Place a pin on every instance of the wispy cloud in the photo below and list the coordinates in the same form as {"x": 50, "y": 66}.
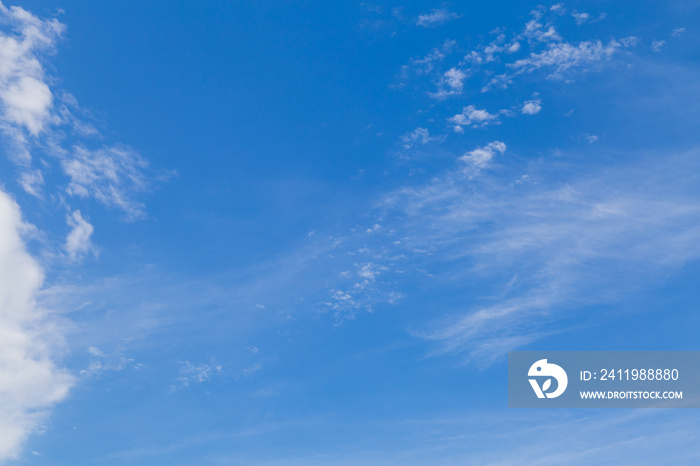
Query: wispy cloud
{"x": 474, "y": 117}
{"x": 591, "y": 138}
{"x": 539, "y": 244}
{"x": 563, "y": 57}
{"x": 32, "y": 181}
{"x": 426, "y": 64}
{"x": 33, "y": 120}
{"x": 644, "y": 437}
{"x": 44, "y": 131}
{"x": 551, "y": 243}
{"x": 417, "y": 136}
{"x": 501, "y": 60}
{"x": 677, "y": 32}
{"x": 558, "y": 8}
{"x": 535, "y": 32}
{"x": 358, "y": 291}
{"x": 580, "y": 17}
{"x": 197, "y": 373}
{"x": 112, "y": 175}
{"x": 436, "y": 17}
{"x": 79, "y": 240}
{"x": 102, "y": 363}
{"x": 658, "y": 45}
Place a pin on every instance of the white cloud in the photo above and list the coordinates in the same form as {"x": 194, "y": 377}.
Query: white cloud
{"x": 102, "y": 363}
{"x": 190, "y": 373}
{"x": 678, "y": 32}
{"x": 436, "y": 17}
{"x": 26, "y": 98}
{"x": 451, "y": 83}
{"x": 514, "y": 47}
{"x": 27, "y": 102}
{"x": 474, "y": 117}
{"x": 591, "y": 138}
{"x": 494, "y": 48}
{"x": 30, "y": 382}
{"x": 547, "y": 51}
{"x": 532, "y": 107}
{"x": 481, "y": 157}
{"x": 363, "y": 288}
{"x": 95, "y": 351}
{"x": 558, "y": 9}
{"x": 562, "y": 57}
{"x": 343, "y": 305}
{"x": 490, "y": 53}
{"x": 580, "y": 17}
{"x": 425, "y": 65}
{"x": 550, "y": 52}
{"x": 630, "y": 41}
{"x": 417, "y": 136}
{"x": 368, "y": 273}
{"x": 32, "y": 181}
{"x": 112, "y": 175}
{"x": 248, "y": 371}
{"x": 537, "y": 32}
{"x": 455, "y": 79}
{"x": 657, "y": 45}
{"x": 79, "y": 240}
{"x": 474, "y": 57}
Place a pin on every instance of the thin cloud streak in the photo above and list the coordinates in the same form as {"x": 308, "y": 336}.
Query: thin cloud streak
{"x": 587, "y": 240}
{"x": 436, "y": 17}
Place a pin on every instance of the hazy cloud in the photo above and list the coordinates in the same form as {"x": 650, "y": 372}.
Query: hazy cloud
{"x": 436, "y": 17}
{"x": 79, "y": 240}
{"x": 678, "y": 32}
{"x": 417, "y": 136}
{"x": 657, "y": 45}
{"x": 580, "y": 17}
{"x": 425, "y": 65}
{"x": 580, "y": 240}
{"x": 191, "y": 373}
{"x": 112, "y": 175}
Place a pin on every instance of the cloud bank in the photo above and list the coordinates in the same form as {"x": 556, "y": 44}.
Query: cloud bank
{"x": 30, "y": 379}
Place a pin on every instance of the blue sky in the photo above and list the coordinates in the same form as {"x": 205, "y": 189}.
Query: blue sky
{"x": 308, "y": 233}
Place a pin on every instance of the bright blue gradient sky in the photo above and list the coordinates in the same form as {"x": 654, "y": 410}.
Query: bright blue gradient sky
{"x": 308, "y": 233}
